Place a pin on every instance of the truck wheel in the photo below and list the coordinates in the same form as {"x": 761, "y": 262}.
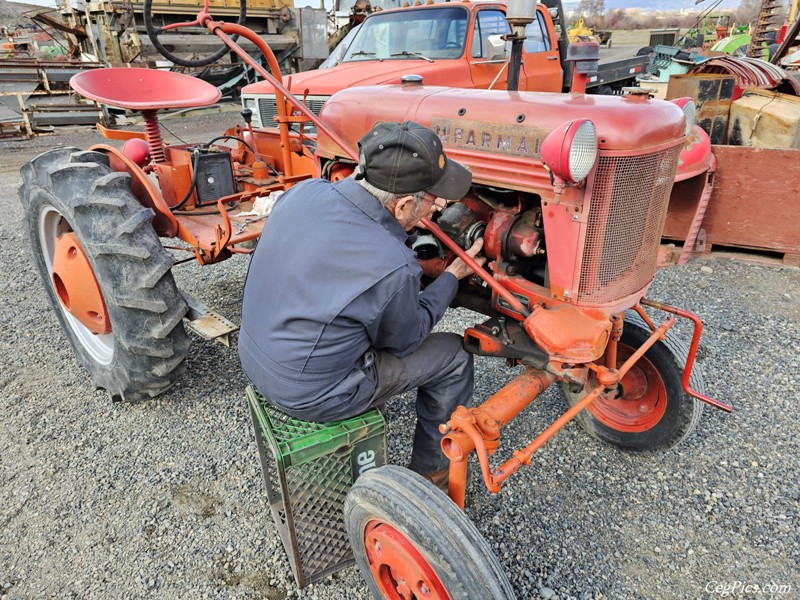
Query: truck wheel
{"x": 653, "y": 412}
{"x": 411, "y": 541}
{"x": 106, "y": 273}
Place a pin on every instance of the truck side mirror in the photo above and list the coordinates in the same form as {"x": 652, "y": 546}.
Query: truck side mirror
{"x": 496, "y": 47}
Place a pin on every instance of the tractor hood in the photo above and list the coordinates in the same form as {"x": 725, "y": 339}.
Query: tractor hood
{"x": 498, "y": 133}
{"x": 325, "y": 82}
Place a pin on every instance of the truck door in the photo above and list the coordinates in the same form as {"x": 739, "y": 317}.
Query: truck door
{"x": 541, "y": 64}
{"x": 484, "y": 72}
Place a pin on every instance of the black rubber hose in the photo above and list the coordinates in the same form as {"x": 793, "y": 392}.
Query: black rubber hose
{"x": 152, "y": 33}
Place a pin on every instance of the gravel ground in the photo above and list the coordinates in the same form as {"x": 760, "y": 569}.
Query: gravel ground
{"x": 164, "y": 499}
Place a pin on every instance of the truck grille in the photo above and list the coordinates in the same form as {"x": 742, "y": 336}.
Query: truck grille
{"x": 268, "y": 109}
{"x": 626, "y": 219}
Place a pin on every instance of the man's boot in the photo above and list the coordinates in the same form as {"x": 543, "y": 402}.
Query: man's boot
{"x": 440, "y": 479}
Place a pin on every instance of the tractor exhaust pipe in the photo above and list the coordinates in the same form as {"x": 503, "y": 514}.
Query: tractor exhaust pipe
{"x": 586, "y": 59}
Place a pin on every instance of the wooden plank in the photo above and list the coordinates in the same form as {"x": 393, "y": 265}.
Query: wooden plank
{"x": 754, "y": 203}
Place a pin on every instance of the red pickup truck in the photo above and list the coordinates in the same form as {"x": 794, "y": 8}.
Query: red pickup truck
{"x": 448, "y": 44}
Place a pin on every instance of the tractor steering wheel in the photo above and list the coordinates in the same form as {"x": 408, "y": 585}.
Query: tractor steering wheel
{"x": 153, "y": 32}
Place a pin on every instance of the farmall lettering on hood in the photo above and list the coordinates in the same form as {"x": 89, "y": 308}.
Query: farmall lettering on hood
{"x": 476, "y": 123}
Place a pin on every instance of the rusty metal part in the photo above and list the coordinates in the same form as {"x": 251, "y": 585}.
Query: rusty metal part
{"x": 712, "y": 94}
{"x": 628, "y": 208}
{"x": 613, "y": 340}
{"x": 498, "y": 337}
{"x": 699, "y": 213}
{"x": 76, "y": 286}
{"x": 525, "y": 235}
{"x": 477, "y": 269}
{"x": 696, "y": 333}
{"x": 208, "y": 234}
{"x": 154, "y": 136}
{"x": 751, "y": 72}
{"x": 496, "y": 229}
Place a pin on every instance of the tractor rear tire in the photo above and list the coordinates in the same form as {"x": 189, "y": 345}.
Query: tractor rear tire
{"x": 410, "y": 538}
{"x": 69, "y": 191}
{"x": 654, "y": 412}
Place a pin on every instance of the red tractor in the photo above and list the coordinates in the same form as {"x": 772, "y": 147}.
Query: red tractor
{"x": 570, "y": 194}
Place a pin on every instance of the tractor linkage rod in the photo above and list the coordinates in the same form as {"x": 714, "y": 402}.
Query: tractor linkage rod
{"x": 479, "y": 428}
{"x": 512, "y": 300}
{"x": 221, "y": 30}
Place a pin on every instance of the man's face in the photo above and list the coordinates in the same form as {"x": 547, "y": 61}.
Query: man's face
{"x": 409, "y": 215}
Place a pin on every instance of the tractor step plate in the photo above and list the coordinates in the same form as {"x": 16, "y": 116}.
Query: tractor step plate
{"x": 208, "y": 324}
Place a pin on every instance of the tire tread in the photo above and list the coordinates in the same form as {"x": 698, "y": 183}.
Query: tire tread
{"x": 145, "y": 305}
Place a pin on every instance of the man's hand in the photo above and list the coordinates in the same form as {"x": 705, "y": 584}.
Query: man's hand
{"x": 459, "y": 268}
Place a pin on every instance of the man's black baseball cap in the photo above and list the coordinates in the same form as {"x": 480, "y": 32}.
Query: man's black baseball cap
{"x": 408, "y": 158}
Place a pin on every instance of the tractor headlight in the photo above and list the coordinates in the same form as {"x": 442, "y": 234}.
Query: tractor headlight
{"x": 689, "y": 109}
{"x": 570, "y": 150}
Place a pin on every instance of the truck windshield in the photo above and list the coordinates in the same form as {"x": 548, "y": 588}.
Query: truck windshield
{"x": 411, "y": 35}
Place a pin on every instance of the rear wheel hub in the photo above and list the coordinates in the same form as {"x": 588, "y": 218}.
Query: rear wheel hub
{"x": 77, "y": 287}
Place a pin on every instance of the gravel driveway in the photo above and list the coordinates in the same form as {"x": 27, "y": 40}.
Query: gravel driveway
{"x": 164, "y": 499}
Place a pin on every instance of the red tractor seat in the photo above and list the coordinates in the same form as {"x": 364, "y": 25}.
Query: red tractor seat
{"x": 144, "y": 89}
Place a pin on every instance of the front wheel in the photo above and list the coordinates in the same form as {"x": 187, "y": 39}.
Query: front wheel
{"x": 651, "y": 411}
{"x": 412, "y": 541}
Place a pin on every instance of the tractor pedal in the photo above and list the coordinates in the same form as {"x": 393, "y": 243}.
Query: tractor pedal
{"x": 207, "y": 323}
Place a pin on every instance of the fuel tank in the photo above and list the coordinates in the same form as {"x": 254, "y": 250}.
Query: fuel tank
{"x": 499, "y": 133}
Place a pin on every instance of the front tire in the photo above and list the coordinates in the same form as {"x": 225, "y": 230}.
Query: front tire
{"x": 138, "y": 350}
{"x": 411, "y": 541}
{"x": 653, "y": 412}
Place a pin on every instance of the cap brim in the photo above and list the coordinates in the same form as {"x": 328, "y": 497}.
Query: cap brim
{"x": 454, "y": 182}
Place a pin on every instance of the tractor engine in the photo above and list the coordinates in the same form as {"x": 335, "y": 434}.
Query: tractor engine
{"x": 570, "y": 194}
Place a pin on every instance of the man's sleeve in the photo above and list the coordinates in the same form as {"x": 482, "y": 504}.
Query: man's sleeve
{"x": 408, "y": 316}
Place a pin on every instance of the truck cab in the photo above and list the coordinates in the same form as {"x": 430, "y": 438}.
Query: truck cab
{"x": 449, "y": 44}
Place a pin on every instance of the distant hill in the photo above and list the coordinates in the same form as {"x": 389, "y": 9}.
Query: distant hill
{"x": 10, "y": 12}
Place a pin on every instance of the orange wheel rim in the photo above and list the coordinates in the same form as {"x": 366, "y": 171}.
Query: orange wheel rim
{"x": 642, "y": 401}
{"x": 76, "y": 285}
{"x": 398, "y": 568}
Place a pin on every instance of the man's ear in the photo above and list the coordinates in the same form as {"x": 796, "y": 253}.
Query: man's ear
{"x": 403, "y": 207}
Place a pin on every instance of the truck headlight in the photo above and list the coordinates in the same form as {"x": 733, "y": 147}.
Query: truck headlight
{"x": 689, "y": 111}
{"x": 570, "y": 150}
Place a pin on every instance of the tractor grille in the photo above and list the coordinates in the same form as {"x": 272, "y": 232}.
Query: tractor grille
{"x": 268, "y": 108}
{"x": 626, "y": 219}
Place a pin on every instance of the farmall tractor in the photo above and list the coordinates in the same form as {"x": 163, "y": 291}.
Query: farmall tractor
{"x": 570, "y": 193}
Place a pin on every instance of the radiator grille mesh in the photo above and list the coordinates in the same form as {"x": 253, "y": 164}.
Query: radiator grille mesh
{"x": 626, "y": 219}
{"x": 268, "y": 108}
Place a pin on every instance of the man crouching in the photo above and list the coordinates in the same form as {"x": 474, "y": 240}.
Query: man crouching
{"x": 333, "y": 321}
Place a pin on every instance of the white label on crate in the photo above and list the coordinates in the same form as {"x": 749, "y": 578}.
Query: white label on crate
{"x": 366, "y": 461}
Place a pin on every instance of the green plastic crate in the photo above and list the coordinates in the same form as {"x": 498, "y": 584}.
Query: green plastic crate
{"x": 308, "y": 469}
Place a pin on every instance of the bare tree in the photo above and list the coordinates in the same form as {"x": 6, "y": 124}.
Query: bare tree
{"x": 591, "y": 8}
